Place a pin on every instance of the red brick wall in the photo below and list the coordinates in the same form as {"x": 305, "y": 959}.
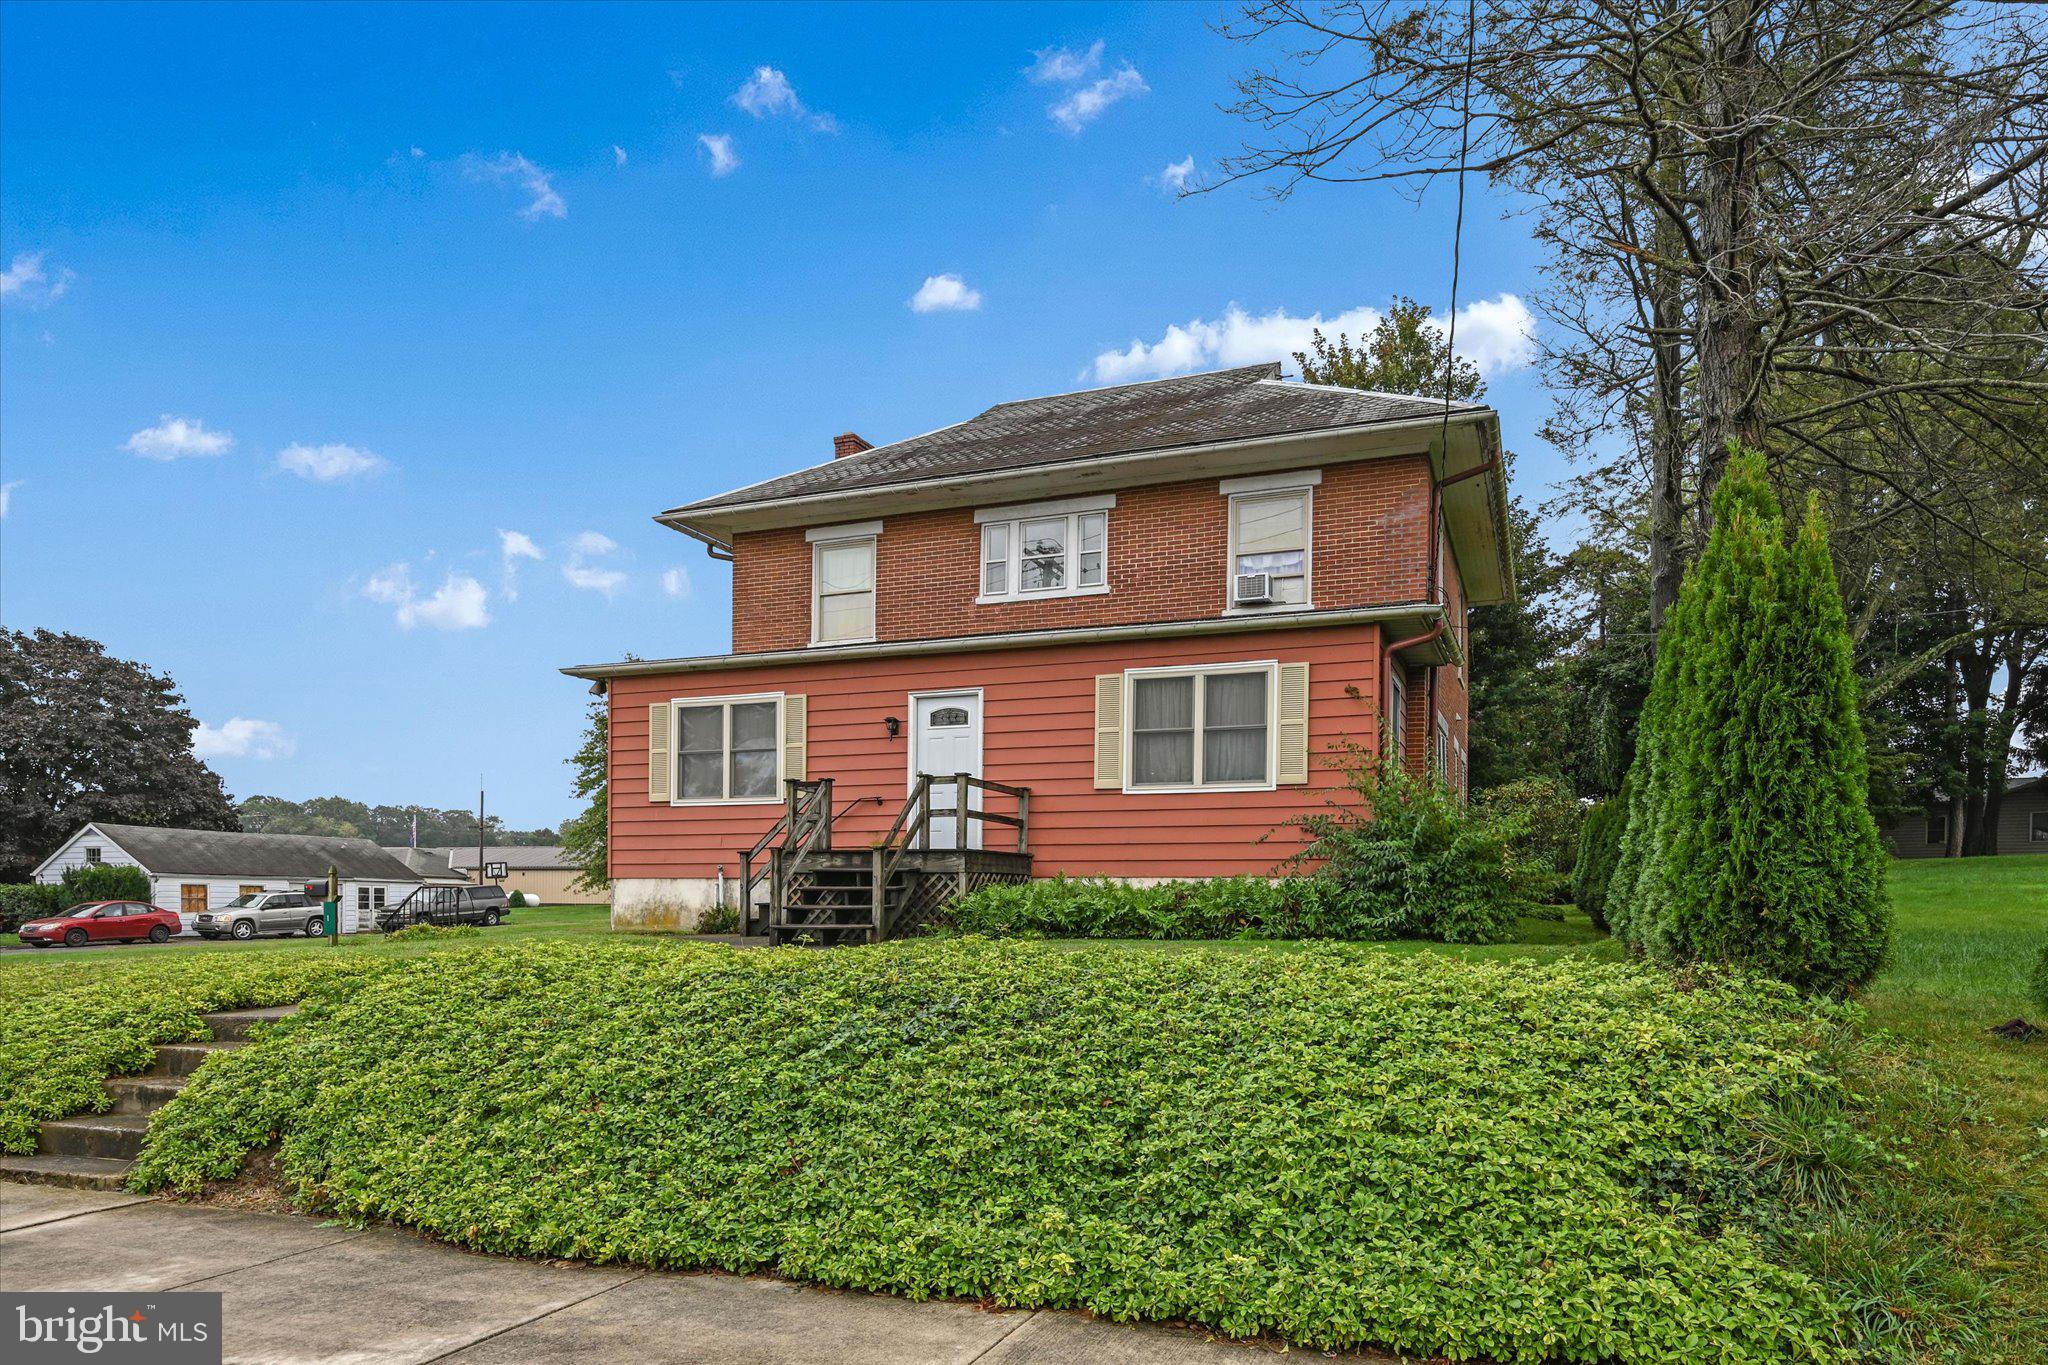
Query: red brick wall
{"x": 1038, "y": 732}
{"x": 1167, "y": 552}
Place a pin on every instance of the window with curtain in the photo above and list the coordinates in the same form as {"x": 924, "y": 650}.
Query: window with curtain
{"x": 1201, "y": 728}
{"x": 1049, "y": 556}
{"x": 727, "y": 750}
{"x": 1269, "y": 534}
{"x": 844, "y": 574}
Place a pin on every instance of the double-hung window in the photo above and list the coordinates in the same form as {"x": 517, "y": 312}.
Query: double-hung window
{"x": 1052, "y": 550}
{"x": 728, "y": 748}
{"x": 1272, "y": 520}
{"x": 1209, "y": 727}
{"x": 843, "y": 584}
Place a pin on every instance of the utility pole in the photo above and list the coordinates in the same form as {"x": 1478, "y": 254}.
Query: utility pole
{"x": 479, "y": 834}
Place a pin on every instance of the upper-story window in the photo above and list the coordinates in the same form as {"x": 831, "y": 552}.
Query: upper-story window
{"x": 843, "y": 583}
{"x": 1272, "y": 520}
{"x": 92, "y": 853}
{"x": 1045, "y": 550}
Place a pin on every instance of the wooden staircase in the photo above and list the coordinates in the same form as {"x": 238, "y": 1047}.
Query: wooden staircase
{"x": 97, "y": 1150}
{"x": 818, "y": 895}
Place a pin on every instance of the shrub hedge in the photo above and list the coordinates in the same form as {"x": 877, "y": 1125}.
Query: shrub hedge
{"x": 2038, "y": 985}
{"x": 1599, "y": 851}
{"x": 105, "y": 882}
{"x": 24, "y": 901}
{"x": 1509, "y": 1159}
{"x": 1217, "y": 907}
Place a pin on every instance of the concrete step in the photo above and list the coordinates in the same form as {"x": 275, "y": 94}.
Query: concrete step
{"x": 111, "y": 1135}
{"x": 78, "y": 1172}
{"x": 182, "y": 1059}
{"x": 142, "y": 1094}
{"x": 233, "y": 1025}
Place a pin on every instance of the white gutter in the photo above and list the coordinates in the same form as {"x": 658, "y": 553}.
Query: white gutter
{"x": 956, "y": 644}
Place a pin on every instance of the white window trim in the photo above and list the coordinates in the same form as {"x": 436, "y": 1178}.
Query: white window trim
{"x": 1270, "y": 667}
{"x": 675, "y": 749}
{"x": 1271, "y": 483}
{"x": 1057, "y": 507}
{"x": 872, "y": 539}
{"x": 1071, "y": 511}
{"x": 852, "y": 530}
{"x": 1231, "y": 606}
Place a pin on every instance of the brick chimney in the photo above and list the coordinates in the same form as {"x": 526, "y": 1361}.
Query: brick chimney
{"x": 846, "y": 443}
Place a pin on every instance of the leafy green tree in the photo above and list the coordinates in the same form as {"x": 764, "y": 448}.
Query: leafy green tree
{"x": 84, "y": 736}
{"x": 586, "y": 839}
{"x": 1521, "y": 699}
{"x": 392, "y": 826}
{"x": 1750, "y": 839}
{"x": 1404, "y": 354}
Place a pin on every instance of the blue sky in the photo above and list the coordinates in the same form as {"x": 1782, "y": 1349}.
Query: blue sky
{"x": 305, "y": 308}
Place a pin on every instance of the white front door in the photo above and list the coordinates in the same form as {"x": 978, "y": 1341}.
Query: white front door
{"x": 945, "y": 738}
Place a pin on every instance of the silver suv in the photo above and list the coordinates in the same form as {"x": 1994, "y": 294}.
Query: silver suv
{"x": 263, "y": 912}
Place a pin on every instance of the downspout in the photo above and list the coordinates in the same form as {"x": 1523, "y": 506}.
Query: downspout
{"x": 713, "y": 546}
{"x": 1390, "y": 654}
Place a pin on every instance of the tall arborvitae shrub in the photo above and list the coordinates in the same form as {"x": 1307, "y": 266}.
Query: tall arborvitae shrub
{"x": 1599, "y": 851}
{"x": 1750, "y": 839}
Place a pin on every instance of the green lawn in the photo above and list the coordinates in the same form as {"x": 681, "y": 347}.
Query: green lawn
{"x": 1929, "y": 1183}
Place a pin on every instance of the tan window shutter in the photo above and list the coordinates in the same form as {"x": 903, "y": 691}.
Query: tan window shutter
{"x": 660, "y": 762}
{"x": 1109, "y": 731}
{"x": 1292, "y": 768}
{"x": 795, "y": 748}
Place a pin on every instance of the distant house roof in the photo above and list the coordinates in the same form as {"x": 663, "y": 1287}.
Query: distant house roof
{"x": 515, "y": 857}
{"x": 1196, "y": 409}
{"x": 219, "y": 853}
{"x": 427, "y": 864}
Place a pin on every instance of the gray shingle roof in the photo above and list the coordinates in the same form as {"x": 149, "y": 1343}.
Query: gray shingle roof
{"x": 1196, "y": 409}
{"x": 515, "y": 857}
{"x": 218, "y": 853}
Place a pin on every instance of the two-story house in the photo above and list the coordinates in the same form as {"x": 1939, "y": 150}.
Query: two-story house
{"x": 1138, "y": 619}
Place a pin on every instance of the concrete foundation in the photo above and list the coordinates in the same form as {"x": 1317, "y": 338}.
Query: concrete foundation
{"x": 675, "y": 904}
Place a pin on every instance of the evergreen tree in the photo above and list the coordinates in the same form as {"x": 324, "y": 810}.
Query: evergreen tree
{"x": 1749, "y": 838}
{"x": 586, "y": 839}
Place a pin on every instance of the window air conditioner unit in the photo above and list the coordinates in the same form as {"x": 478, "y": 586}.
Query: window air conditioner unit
{"x": 1253, "y": 588}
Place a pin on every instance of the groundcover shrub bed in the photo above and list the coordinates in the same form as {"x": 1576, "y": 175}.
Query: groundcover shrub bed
{"x": 1515, "y": 1160}
{"x": 65, "y": 1027}
{"x": 1215, "y": 907}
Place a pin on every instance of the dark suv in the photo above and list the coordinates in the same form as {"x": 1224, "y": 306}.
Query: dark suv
{"x": 448, "y": 905}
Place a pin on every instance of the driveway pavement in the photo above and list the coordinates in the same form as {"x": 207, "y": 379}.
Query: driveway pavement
{"x": 295, "y": 1289}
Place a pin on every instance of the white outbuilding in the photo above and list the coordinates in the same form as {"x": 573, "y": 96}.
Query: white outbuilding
{"x": 193, "y": 870}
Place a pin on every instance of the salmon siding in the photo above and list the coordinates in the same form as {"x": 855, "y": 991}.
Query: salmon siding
{"x": 1038, "y": 731}
{"x": 1063, "y": 569}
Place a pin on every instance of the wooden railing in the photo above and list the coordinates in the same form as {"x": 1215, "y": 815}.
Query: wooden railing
{"x": 913, "y": 827}
{"x": 807, "y": 811}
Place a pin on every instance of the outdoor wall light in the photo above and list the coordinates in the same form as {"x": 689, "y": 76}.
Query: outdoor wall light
{"x": 894, "y": 726}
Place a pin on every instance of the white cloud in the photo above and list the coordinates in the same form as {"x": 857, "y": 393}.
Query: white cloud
{"x": 724, "y": 160}
{"x": 174, "y": 438}
{"x": 537, "y": 181}
{"x": 458, "y": 604}
{"x": 1063, "y": 65}
{"x": 328, "y": 463}
{"x": 676, "y": 582}
{"x": 26, "y": 281}
{"x": 1495, "y": 334}
{"x": 582, "y": 572}
{"x": 239, "y": 737}
{"x": 7, "y": 496}
{"x": 1177, "y": 174}
{"x": 514, "y": 546}
{"x": 619, "y": 154}
{"x": 418, "y": 151}
{"x": 1082, "y": 107}
{"x": 768, "y": 94}
{"x": 945, "y": 294}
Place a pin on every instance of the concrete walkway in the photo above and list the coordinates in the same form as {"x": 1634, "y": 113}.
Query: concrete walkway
{"x": 295, "y": 1289}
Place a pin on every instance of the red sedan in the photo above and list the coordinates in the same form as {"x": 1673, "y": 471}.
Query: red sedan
{"x": 102, "y": 922}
